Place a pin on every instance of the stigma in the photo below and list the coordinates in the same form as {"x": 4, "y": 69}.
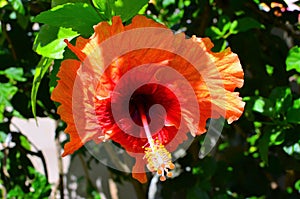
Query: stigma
{"x": 159, "y": 159}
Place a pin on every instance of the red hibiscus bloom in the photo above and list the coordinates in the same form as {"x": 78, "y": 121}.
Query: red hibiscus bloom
{"x": 126, "y": 74}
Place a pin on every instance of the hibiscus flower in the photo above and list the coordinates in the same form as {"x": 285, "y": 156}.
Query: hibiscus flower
{"x": 145, "y": 88}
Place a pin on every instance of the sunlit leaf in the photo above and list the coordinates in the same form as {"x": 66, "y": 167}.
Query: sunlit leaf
{"x": 214, "y": 32}
{"x": 16, "y": 192}
{"x": 60, "y": 2}
{"x": 80, "y": 17}
{"x": 7, "y": 91}
{"x": 3, "y": 3}
{"x": 297, "y": 185}
{"x": 166, "y": 3}
{"x": 296, "y": 103}
{"x": 3, "y": 136}
{"x": 293, "y": 149}
{"x": 252, "y": 140}
{"x": 13, "y": 73}
{"x": 17, "y": 6}
{"x": 277, "y": 137}
{"x": 293, "y": 59}
{"x": 40, "y": 184}
{"x": 53, "y": 75}
{"x": 40, "y": 71}
{"x": 124, "y": 8}
{"x": 282, "y": 97}
{"x": 269, "y": 69}
{"x": 127, "y": 8}
{"x": 50, "y": 41}
{"x": 264, "y": 106}
{"x": 24, "y": 142}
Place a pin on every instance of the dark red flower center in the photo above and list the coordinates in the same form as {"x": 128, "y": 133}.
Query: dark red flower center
{"x": 157, "y": 103}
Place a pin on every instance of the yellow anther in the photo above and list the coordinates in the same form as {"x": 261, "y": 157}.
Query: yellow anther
{"x": 159, "y": 159}
{"x": 162, "y": 178}
{"x": 159, "y": 171}
{"x": 171, "y": 165}
{"x": 169, "y": 174}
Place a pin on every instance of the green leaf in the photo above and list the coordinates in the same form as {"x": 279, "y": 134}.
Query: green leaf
{"x": 214, "y": 32}
{"x": 16, "y": 192}
{"x": 264, "y": 106}
{"x": 233, "y": 27}
{"x": 143, "y": 10}
{"x": 293, "y": 115}
{"x": 80, "y": 17}
{"x": 277, "y": 137}
{"x": 53, "y": 75}
{"x": 220, "y": 45}
{"x": 100, "y": 4}
{"x": 40, "y": 71}
{"x": 282, "y": 97}
{"x": 269, "y": 69}
{"x": 128, "y": 8}
{"x": 296, "y": 103}
{"x": 174, "y": 18}
{"x": 50, "y": 41}
{"x": 124, "y": 8}
{"x": 13, "y": 73}
{"x": 3, "y": 136}
{"x": 24, "y": 142}
{"x": 263, "y": 146}
{"x": 40, "y": 185}
{"x": 17, "y": 6}
{"x": 244, "y": 24}
{"x": 293, "y": 149}
{"x": 104, "y": 7}
{"x": 3, "y": 3}
{"x": 7, "y": 91}
{"x": 297, "y": 185}
{"x": 293, "y": 59}
{"x": 96, "y": 195}
{"x": 187, "y": 3}
{"x": 227, "y": 26}
{"x": 23, "y": 21}
{"x": 166, "y": 3}
{"x": 60, "y": 2}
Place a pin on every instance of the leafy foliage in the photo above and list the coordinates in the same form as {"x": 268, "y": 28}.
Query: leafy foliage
{"x": 293, "y": 59}
{"x": 63, "y": 16}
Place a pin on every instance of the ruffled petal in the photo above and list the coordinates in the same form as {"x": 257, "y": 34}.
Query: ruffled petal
{"x": 227, "y": 63}
{"x": 62, "y": 93}
{"x": 140, "y": 21}
{"x": 103, "y": 31}
{"x": 138, "y": 170}
{"x": 232, "y": 75}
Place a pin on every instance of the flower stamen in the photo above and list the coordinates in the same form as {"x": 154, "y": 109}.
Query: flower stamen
{"x": 157, "y": 156}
